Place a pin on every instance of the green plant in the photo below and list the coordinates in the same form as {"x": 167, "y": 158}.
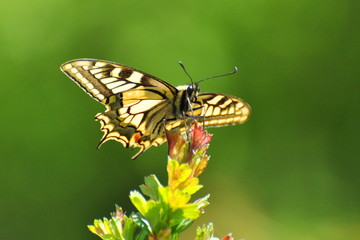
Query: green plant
{"x": 165, "y": 211}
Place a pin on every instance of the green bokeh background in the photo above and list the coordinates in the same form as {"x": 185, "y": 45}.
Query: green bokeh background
{"x": 291, "y": 172}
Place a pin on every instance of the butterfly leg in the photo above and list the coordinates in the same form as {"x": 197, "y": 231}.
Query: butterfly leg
{"x": 197, "y": 116}
{"x": 198, "y": 108}
{"x": 192, "y": 115}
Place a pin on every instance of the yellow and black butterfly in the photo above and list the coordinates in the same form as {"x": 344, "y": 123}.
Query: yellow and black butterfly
{"x": 139, "y": 107}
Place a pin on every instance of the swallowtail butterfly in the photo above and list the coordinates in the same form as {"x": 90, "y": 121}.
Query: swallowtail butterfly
{"x": 139, "y": 107}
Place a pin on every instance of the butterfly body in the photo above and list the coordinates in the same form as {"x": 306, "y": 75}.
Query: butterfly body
{"x": 140, "y": 107}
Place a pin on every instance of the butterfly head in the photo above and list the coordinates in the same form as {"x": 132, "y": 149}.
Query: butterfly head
{"x": 192, "y": 92}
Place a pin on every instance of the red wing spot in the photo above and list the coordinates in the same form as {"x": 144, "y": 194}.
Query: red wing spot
{"x": 137, "y": 137}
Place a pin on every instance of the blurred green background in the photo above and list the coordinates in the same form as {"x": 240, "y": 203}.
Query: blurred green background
{"x": 290, "y": 172}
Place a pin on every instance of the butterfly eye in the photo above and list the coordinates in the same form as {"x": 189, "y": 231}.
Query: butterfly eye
{"x": 190, "y": 90}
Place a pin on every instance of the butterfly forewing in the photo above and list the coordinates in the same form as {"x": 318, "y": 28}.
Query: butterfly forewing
{"x": 102, "y": 79}
{"x": 139, "y": 107}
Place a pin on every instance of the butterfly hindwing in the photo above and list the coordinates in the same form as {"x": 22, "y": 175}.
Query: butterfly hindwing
{"x": 139, "y": 124}
{"x": 128, "y": 132}
{"x": 218, "y": 110}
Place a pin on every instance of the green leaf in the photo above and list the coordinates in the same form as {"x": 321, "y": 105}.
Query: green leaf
{"x": 150, "y": 188}
{"x": 182, "y": 225}
{"x": 142, "y": 223}
{"x": 128, "y": 228}
{"x": 191, "y": 211}
{"x": 115, "y": 228}
{"x": 139, "y": 202}
{"x": 205, "y": 232}
{"x": 107, "y": 229}
{"x": 202, "y": 202}
{"x": 192, "y": 186}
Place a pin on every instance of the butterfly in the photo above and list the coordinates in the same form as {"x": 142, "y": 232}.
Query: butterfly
{"x": 140, "y": 107}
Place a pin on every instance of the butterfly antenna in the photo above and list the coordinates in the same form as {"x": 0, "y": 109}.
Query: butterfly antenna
{"x": 183, "y": 67}
{"x": 227, "y": 74}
